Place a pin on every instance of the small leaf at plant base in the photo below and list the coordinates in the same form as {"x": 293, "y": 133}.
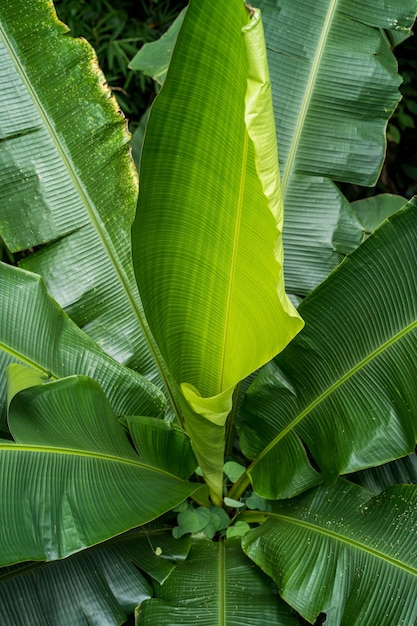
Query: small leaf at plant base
{"x": 239, "y": 529}
{"x": 235, "y": 504}
{"x": 233, "y": 470}
{"x": 256, "y": 502}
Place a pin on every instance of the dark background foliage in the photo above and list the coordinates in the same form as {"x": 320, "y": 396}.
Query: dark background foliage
{"x": 118, "y": 28}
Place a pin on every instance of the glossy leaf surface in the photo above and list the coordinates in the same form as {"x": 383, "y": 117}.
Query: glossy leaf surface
{"x": 221, "y": 586}
{"x": 71, "y": 478}
{"x": 347, "y": 383}
{"x": 68, "y": 183}
{"x": 35, "y": 331}
{"x": 335, "y": 84}
{"x": 102, "y": 584}
{"x": 342, "y": 552}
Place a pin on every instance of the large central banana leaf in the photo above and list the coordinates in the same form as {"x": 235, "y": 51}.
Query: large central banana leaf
{"x": 345, "y": 387}
{"x": 206, "y": 239}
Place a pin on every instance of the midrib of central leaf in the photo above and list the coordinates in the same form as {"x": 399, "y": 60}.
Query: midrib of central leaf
{"x": 315, "y": 66}
{"x": 95, "y": 219}
{"x": 232, "y": 273}
{"x": 345, "y": 540}
{"x": 222, "y": 584}
{"x": 347, "y": 376}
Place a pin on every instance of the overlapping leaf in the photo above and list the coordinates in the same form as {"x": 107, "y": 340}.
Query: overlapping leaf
{"x": 101, "y": 585}
{"x": 68, "y": 187}
{"x": 34, "y": 330}
{"x": 341, "y": 552}
{"x": 335, "y": 84}
{"x": 71, "y": 479}
{"x": 220, "y": 585}
{"x": 345, "y": 387}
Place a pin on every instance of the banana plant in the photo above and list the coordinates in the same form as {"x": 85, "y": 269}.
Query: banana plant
{"x": 179, "y": 443}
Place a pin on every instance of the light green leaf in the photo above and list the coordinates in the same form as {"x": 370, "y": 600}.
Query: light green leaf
{"x": 153, "y": 58}
{"x": 233, "y": 470}
{"x": 206, "y": 236}
{"x": 69, "y": 186}
{"x": 35, "y": 331}
{"x": 71, "y": 479}
{"x": 345, "y": 387}
{"x": 341, "y": 552}
{"x": 218, "y": 584}
{"x": 335, "y": 84}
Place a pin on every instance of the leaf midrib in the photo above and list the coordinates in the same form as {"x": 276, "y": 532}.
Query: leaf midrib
{"x": 347, "y": 376}
{"x": 96, "y": 222}
{"x": 346, "y": 540}
{"x": 233, "y": 263}
{"x": 315, "y": 66}
{"x": 100, "y": 456}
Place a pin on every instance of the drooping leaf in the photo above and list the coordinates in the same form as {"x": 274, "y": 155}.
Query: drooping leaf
{"x": 373, "y": 211}
{"x": 342, "y": 552}
{"x": 345, "y": 387}
{"x": 206, "y": 239}
{"x": 35, "y": 331}
{"x": 101, "y": 584}
{"x": 71, "y": 478}
{"x": 221, "y": 586}
{"x": 157, "y": 441}
{"x": 335, "y": 84}
{"x": 68, "y": 187}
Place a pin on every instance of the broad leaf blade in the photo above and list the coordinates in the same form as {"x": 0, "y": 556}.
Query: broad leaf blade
{"x": 71, "y": 479}
{"x": 207, "y": 245}
{"x": 347, "y": 383}
{"x": 69, "y": 183}
{"x": 34, "y": 330}
{"x": 338, "y": 550}
{"x": 220, "y": 585}
{"x": 335, "y": 84}
{"x": 101, "y": 585}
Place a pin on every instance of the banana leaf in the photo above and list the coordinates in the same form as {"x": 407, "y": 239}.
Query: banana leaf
{"x": 71, "y": 478}
{"x": 317, "y": 74}
{"x": 343, "y": 552}
{"x": 69, "y": 187}
{"x": 335, "y": 84}
{"x": 345, "y": 387}
{"x": 206, "y": 238}
{"x": 221, "y": 586}
{"x": 35, "y": 331}
{"x": 100, "y": 585}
